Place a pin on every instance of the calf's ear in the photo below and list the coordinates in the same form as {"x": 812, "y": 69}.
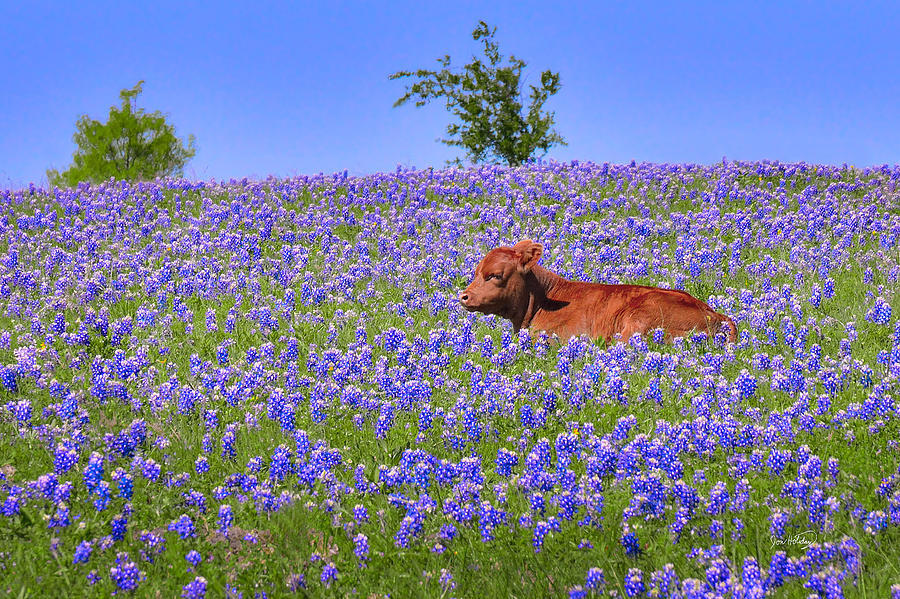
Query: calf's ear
{"x": 529, "y": 253}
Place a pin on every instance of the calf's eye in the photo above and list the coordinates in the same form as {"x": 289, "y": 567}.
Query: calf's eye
{"x": 493, "y": 276}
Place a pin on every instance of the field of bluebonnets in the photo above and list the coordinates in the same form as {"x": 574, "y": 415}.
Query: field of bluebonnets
{"x": 266, "y": 388}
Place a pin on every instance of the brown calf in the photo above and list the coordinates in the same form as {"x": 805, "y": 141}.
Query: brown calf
{"x": 510, "y": 283}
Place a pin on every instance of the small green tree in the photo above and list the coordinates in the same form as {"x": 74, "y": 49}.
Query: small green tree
{"x": 487, "y": 99}
{"x": 131, "y": 145}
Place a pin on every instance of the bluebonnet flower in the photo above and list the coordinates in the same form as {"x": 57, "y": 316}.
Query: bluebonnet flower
{"x": 21, "y": 411}
{"x": 634, "y": 583}
{"x": 119, "y": 527}
{"x": 68, "y": 407}
{"x": 541, "y": 530}
{"x": 124, "y": 483}
{"x": 425, "y": 418}
{"x": 664, "y": 583}
{"x": 875, "y": 522}
{"x": 183, "y": 525}
{"x": 211, "y": 321}
{"x": 228, "y": 440}
{"x": 144, "y": 318}
{"x": 287, "y": 416}
{"x": 125, "y": 573}
{"x": 121, "y": 328}
{"x": 93, "y": 472}
{"x": 187, "y": 399}
{"x": 715, "y": 529}
{"x": 103, "y": 496}
{"x": 410, "y": 526}
{"x": 61, "y": 518}
{"x": 631, "y": 544}
{"x": 281, "y": 465}
{"x": 8, "y": 378}
{"x": 296, "y": 582}
{"x": 196, "y": 589}
{"x": 360, "y": 514}
{"x": 880, "y": 312}
{"x": 361, "y": 549}
{"x": 156, "y": 544}
{"x": 777, "y": 460}
{"x": 151, "y": 470}
{"x": 329, "y": 574}
{"x": 745, "y": 385}
{"x": 446, "y": 580}
{"x": 816, "y": 297}
{"x": 58, "y": 325}
{"x": 46, "y": 484}
{"x": 226, "y": 517}
{"x": 65, "y": 458}
{"x": 252, "y": 355}
{"x": 385, "y": 421}
{"x": 506, "y": 461}
{"x": 778, "y": 520}
{"x": 718, "y": 499}
{"x": 537, "y": 502}
{"x": 206, "y": 444}
{"x": 197, "y": 499}
{"x": 222, "y": 353}
{"x": 595, "y": 580}
{"x": 82, "y": 553}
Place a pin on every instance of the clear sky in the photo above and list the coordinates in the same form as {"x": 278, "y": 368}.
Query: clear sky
{"x": 296, "y": 88}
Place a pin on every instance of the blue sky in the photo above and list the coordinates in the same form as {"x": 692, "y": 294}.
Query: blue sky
{"x": 293, "y": 88}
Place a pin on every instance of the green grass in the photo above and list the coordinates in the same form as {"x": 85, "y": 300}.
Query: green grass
{"x": 318, "y": 520}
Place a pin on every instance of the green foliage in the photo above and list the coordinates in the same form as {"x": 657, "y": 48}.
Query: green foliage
{"x": 132, "y": 145}
{"x": 486, "y": 98}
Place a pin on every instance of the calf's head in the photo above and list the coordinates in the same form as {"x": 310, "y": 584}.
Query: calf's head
{"x": 499, "y": 285}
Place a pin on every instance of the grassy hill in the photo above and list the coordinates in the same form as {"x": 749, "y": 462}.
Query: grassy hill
{"x": 266, "y": 388}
